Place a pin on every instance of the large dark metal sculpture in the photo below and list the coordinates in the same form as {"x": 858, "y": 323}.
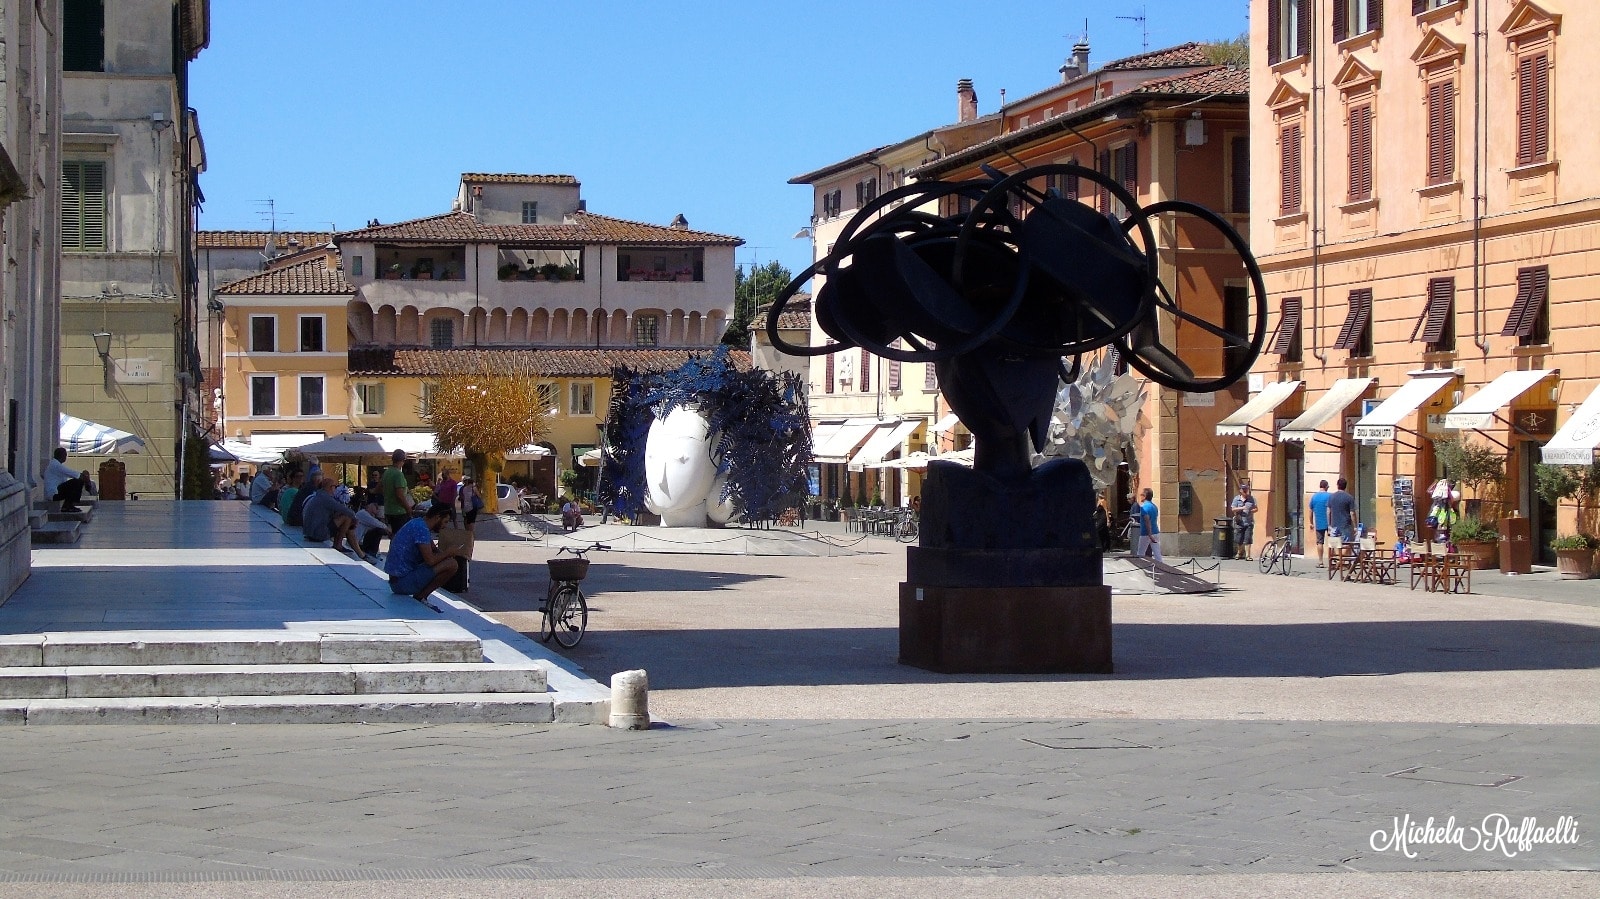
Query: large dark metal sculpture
{"x": 1007, "y": 576}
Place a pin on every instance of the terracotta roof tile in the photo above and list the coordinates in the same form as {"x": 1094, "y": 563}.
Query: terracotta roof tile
{"x": 256, "y": 240}
{"x": 1215, "y": 80}
{"x": 1189, "y": 54}
{"x": 796, "y": 315}
{"x": 509, "y": 178}
{"x": 585, "y": 228}
{"x": 553, "y": 362}
{"x": 310, "y": 277}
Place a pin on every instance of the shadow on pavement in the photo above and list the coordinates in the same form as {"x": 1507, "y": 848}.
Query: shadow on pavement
{"x": 689, "y": 659}
{"x": 520, "y": 587}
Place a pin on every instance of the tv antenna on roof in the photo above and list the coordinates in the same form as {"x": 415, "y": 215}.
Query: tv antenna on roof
{"x": 1144, "y": 28}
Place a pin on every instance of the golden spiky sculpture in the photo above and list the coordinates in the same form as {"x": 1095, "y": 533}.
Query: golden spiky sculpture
{"x": 490, "y": 411}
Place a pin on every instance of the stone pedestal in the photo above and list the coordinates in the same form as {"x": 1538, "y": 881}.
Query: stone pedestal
{"x": 1006, "y": 630}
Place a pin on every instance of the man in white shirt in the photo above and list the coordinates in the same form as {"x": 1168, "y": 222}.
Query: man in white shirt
{"x": 61, "y": 482}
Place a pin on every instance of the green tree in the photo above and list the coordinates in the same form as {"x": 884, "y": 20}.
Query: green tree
{"x": 751, "y": 291}
{"x": 1232, "y": 52}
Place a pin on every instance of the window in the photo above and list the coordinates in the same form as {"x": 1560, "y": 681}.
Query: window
{"x": 355, "y": 266}
{"x": 311, "y": 327}
{"x": 1286, "y": 342}
{"x": 1529, "y": 320}
{"x": 1239, "y": 175}
{"x": 866, "y": 191}
{"x": 1289, "y": 169}
{"x": 894, "y": 369}
{"x": 1288, "y": 29}
{"x": 581, "y": 398}
{"x": 1123, "y": 167}
{"x": 425, "y": 401}
{"x": 1421, "y": 6}
{"x": 1235, "y": 320}
{"x": 1436, "y": 326}
{"x": 1356, "y": 333}
{"x": 866, "y": 371}
{"x": 1361, "y": 153}
{"x": 83, "y": 36}
{"x": 530, "y": 212}
{"x": 1533, "y": 109}
{"x": 263, "y": 333}
{"x": 1355, "y": 17}
{"x": 369, "y": 399}
{"x": 311, "y": 395}
{"x": 1441, "y": 131}
{"x": 83, "y": 205}
{"x": 827, "y": 382}
{"x": 263, "y": 395}
{"x": 442, "y": 333}
{"x": 832, "y": 204}
{"x": 1064, "y": 185}
{"x": 930, "y": 376}
{"x": 549, "y": 399}
{"x": 644, "y": 330}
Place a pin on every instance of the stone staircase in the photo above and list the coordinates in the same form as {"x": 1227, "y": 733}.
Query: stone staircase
{"x": 51, "y": 525}
{"x": 256, "y": 677}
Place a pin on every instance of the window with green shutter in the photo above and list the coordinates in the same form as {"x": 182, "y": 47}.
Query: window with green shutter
{"x": 83, "y": 205}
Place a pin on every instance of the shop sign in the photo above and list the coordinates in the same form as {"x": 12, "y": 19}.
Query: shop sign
{"x": 1535, "y": 422}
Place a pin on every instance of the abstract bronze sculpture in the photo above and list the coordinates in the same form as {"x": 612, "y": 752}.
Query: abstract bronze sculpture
{"x": 998, "y": 296}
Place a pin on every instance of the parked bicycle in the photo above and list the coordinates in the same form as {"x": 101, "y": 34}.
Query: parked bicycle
{"x": 1276, "y": 552}
{"x": 565, "y": 611}
{"x": 905, "y": 525}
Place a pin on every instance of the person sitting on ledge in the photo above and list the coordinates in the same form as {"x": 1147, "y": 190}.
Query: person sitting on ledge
{"x": 571, "y": 515}
{"x": 61, "y": 482}
{"x": 325, "y": 517}
{"x": 415, "y": 564}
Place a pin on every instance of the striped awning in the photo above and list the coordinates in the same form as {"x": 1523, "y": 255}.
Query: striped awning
{"x": 81, "y": 437}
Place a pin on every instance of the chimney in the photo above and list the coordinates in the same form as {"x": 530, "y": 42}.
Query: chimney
{"x": 1080, "y": 57}
{"x": 679, "y": 223}
{"x": 966, "y": 101}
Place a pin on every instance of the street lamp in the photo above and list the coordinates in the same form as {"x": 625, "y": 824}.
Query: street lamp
{"x": 102, "y": 345}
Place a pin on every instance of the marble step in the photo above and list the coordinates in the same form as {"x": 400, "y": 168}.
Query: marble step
{"x": 172, "y": 681}
{"x": 390, "y": 708}
{"x": 99, "y": 648}
{"x": 57, "y": 532}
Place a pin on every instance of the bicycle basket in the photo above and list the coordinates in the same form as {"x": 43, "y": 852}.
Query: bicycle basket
{"x": 568, "y": 569}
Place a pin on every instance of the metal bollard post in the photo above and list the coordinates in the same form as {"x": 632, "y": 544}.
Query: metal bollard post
{"x": 630, "y": 700}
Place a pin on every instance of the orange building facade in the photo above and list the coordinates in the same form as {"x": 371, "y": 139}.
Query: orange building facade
{"x": 1427, "y": 217}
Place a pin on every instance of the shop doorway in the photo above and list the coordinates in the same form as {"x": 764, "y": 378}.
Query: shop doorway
{"x": 1294, "y": 495}
{"x": 1367, "y": 485}
{"x": 1542, "y": 517}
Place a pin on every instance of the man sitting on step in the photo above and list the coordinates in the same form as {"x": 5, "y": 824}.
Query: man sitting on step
{"x": 324, "y": 517}
{"x": 415, "y": 564}
{"x": 61, "y": 482}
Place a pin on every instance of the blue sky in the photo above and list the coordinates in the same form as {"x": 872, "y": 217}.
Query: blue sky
{"x": 358, "y": 109}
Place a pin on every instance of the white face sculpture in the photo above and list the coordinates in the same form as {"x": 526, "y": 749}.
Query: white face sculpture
{"x": 678, "y": 467}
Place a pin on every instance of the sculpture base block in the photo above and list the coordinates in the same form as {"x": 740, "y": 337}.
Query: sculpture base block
{"x": 1006, "y": 630}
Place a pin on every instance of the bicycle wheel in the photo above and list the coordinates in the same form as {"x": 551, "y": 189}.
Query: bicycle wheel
{"x": 547, "y": 619}
{"x": 1269, "y": 555}
{"x": 907, "y": 532}
{"x": 1286, "y": 558}
{"x": 571, "y": 616}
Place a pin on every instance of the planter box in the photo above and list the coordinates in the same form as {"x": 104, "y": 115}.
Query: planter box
{"x": 1480, "y": 555}
{"x": 1575, "y": 564}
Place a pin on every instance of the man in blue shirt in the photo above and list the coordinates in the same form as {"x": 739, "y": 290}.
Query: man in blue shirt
{"x": 1342, "y": 512}
{"x": 1149, "y": 526}
{"x": 1319, "y": 517}
{"x": 415, "y": 564}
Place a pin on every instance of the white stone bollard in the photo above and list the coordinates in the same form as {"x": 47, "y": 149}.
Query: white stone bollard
{"x": 630, "y": 700}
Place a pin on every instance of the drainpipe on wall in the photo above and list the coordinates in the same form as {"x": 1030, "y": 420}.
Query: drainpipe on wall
{"x": 1480, "y": 36}
{"x": 1318, "y": 92}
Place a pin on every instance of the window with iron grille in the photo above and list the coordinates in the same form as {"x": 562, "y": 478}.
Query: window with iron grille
{"x": 1436, "y": 327}
{"x": 263, "y": 333}
{"x": 1286, "y": 341}
{"x": 1356, "y": 17}
{"x": 311, "y": 398}
{"x": 1529, "y": 320}
{"x": 1533, "y": 109}
{"x": 442, "y": 333}
{"x": 1361, "y": 153}
{"x": 370, "y": 398}
{"x": 83, "y": 205}
{"x": 1356, "y": 333}
{"x": 1441, "y": 131}
{"x": 644, "y": 330}
{"x": 1289, "y": 169}
{"x": 263, "y": 395}
{"x": 1288, "y": 29}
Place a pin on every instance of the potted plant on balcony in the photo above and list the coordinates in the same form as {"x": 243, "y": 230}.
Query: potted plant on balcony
{"x": 1575, "y": 556}
{"x": 550, "y": 272}
{"x": 685, "y": 275}
{"x": 508, "y": 272}
{"x": 392, "y": 273}
{"x": 568, "y": 272}
{"x": 1478, "y": 540}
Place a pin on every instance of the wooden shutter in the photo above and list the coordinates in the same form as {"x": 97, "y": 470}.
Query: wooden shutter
{"x": 1130, "y": 169}
{"x": 1239, "y": 174}
{"x": 1375, "y": 14}
{"x": 1533, "y": 285}
{"x": 1351, "y": 332}
{"x": 1303, "y": 28}
{"x": 1072, "y": 182}
{"x": 1274, "y": 26}
{"x": 1341, "y": 20}
{"x": 1361, "y": 153}
{"x": 827, "y": 375}
{"x": 1418, "y": 7}
{"x": 1441, "y": 131}
{"x": 1533, "y": 109}
{"x": 1283, "y": 342}
{"x": 1441, "y": 300}
{"x": 866, "y": 370}
{"x": 1104, "y": 168}
{"x": 894, "y": 376}
{"x": 1289, "y": 188}
{"x": 83, "y": 205}
{"x": 930, "y": 377}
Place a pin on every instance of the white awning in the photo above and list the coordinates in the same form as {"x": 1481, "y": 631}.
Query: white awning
{"x": 944, "y": 424}
{"x": 886, "y": 438}
{"x": 531, "y": 451}
{"x": 841, "y": 445}
{"x": 1477, "y": 412}
{"x": 1270, "y": 398}
{"x": 822, "y": 431}
{"x": 1379, "y": 425}
{"x": 252, "y": 453}
{"x": 283, "y": 440}
{"x": 415, "y": 443}
{"x": 1575, "y": 443}
{"x": 1333, "y": 403}
{"x": 81, "y": 437}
